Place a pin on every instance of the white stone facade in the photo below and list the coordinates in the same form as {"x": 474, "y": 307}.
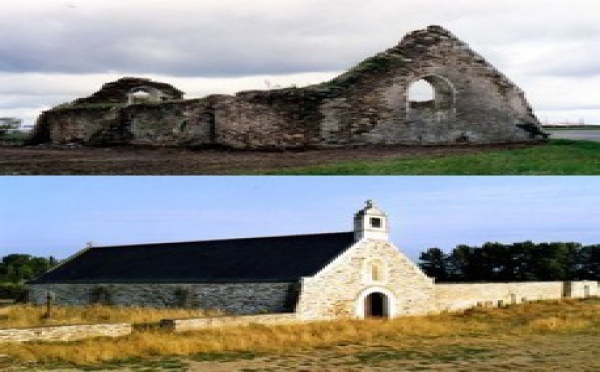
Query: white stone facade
{"x": 342, "y": 288}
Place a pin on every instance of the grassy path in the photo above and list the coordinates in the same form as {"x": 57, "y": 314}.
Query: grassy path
{"x": 559, "y": 157}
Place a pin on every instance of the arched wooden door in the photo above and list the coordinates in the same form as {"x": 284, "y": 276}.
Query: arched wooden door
{"x": 376, "y": 305}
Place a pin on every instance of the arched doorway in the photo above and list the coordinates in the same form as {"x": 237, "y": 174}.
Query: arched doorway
{"x": 375, "y": 302}
{"x": 376, "y": 305}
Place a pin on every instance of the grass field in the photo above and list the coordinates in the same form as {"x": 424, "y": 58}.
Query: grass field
{"x": 16, "y": 316}
{"x": 14, "y": 138}
{"x": 571, "y": 127}
{"x": 558, "y": 335}
{"x": 558, "y": 157}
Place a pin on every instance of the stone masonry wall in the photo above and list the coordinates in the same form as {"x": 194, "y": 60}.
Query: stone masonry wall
{"x": 278, "y": 119}
{"x": 453, "y": 297}
{"x": 183, "y": 123}
{"x": 65, "y": 333}
{"x": 77, "y": 125}
{"x": 334, "y": 292}
{"x": 250, "y": 298}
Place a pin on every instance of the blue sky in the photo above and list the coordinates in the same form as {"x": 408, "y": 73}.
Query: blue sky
{"x": 54, "y": 51}
{"x": 59, "y": 215}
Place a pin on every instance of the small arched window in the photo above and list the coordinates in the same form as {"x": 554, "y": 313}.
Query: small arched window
{"x": 375, "y": 271}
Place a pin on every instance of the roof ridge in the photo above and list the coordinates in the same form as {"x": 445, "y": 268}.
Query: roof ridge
{"x": 220, "y": 240}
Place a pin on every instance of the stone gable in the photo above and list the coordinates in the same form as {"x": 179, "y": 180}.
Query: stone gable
{"x": 339, "y": 290}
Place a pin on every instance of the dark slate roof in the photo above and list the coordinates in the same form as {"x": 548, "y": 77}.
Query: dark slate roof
{"x": 270, "y": 259}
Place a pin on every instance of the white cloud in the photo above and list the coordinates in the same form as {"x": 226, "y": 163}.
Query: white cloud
{"x": 547, "y": 46}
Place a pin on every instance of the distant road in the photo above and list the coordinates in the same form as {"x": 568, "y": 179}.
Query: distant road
{"x": 576, "y": 134}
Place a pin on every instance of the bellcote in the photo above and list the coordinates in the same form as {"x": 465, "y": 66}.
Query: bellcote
{"x": 371, "y": 223}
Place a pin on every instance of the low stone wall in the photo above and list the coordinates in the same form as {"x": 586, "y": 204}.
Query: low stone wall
{"x": 583, "y": 289}
{"x": 65, "y": 332}
{"x": 453, "y": 297}
{"x": 180, "y": 325}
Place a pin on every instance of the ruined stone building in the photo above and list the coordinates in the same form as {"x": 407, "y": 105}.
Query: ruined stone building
{"x": 473, "y": 103}
{"x": 359, "y": 273}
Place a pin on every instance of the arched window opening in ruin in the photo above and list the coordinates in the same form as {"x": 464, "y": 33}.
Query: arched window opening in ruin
{"x": 376, "y": 305}
{"x": 431, "y": 98}
{"x": 141, "y": 95}
{"x": 421, "y": 92}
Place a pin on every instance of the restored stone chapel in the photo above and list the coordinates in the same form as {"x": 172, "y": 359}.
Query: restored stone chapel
{"x": 355, "y": 274}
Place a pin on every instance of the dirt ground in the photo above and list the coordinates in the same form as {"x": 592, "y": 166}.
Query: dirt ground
{"x": 545, "y": 353}
{"x": 44, "y": 160}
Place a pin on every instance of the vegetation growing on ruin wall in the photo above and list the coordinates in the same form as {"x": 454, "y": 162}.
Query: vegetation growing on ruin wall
{"x": 376, "y": 64}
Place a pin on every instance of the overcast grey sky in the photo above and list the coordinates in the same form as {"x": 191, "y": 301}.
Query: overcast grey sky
{"x": 53, "y": 51}
{"x": 56, "y": 216}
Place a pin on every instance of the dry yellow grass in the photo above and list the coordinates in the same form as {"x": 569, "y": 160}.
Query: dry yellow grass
{"x": 440, "y": 331}
{"x": 256, "y": 338}
{"x": 33, "y": 316}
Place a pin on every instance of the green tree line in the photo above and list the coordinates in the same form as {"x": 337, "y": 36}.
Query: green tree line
{"x": 19, "y": 268}
{"x": 527, "y": 261}
{"x": 16, "y": 269}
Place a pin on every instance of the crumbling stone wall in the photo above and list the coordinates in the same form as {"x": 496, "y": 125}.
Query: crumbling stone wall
{"x": 121, "y": 91}
{"x": 77, "y": 125}
{"x": 278, "y": 119}
{"x": 481, "y": 104}
{"x": 185, "y": 123}
{"x": 369, "y": 105}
